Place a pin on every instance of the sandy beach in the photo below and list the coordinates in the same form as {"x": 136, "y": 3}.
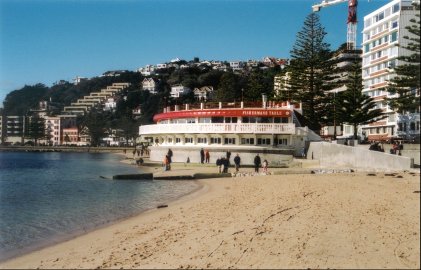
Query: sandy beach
{"x": 345, "y": 220}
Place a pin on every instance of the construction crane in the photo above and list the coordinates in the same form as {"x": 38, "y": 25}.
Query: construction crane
{"x": 351, "y": 34}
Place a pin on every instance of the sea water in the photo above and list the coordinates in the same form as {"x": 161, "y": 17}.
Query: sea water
{"x": 50, "y": 197}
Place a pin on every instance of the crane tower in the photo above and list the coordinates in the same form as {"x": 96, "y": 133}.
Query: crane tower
{"x": 351, "y": 34}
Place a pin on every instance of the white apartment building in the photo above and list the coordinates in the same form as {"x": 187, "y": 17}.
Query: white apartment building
{"x": 236, "y": 65}
{"x": 78, "y": 80}
{"x": 281, "y": 86}
{"x": 147, "y": 70}
{"x": 110, "y": 104}
{"x": 14, "y": 128}
{"x": 52, "y": 130}
{"x": 54, "y": 126}
{"x": 178, "y": 90}
{"x": 383, "y": 34}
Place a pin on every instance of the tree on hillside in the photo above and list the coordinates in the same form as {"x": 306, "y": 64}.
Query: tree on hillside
{"x": 129, "y": 127}
{"x": 36, "y": 129}
{"x": 310, "y": 70}
{"x": 228, "y": 87}
{"x": 406, "y": 83}
{"x": 354, "y": 107}
{"x": 96, "y": 124}
{"x": 210, "y": 78}
{"x": 257, "y": 85}
{"x": 18, "y": 102}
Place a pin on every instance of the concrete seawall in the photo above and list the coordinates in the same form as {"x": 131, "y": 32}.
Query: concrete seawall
{"x": 337, "y": 155}
{"x": 180, "y": 154}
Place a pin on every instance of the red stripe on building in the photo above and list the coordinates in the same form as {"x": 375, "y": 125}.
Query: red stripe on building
{"x": 223, "y": 113}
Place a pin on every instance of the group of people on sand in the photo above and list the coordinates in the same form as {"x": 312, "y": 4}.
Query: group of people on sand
{"x": 204, "y": 156}
{"x": 394, "y": 150}
{"x": 223, "y": 162}
{"x": 258, "y": 163}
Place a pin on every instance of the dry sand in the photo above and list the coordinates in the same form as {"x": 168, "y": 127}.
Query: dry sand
{"x": 348, "y": 220}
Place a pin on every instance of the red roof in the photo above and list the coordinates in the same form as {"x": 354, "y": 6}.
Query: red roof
{"x": 254, "y": 112}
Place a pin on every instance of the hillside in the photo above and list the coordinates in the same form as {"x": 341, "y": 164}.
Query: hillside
{"x": 248, "y": 84}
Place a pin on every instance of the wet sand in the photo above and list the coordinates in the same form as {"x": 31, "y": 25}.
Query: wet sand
{"x": 346, "y": 220}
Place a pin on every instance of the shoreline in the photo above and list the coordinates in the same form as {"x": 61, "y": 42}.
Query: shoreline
{"x": 352, "y": 220}
{"x": 81, "y": 233}
{"x": 57, "y": 240}
{"x": 112, "y": 226}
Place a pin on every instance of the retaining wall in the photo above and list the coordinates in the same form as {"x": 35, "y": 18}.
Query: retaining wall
{"x": 180, "y": 154}
{"x": 337, "y": 155}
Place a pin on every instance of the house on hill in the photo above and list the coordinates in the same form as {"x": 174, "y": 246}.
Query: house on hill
{"x": 203, "y": 93}
{"x": 150, "y": 84}
{"x": 179, "y": 90}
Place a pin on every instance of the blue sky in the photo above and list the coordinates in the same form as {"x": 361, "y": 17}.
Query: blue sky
{"x": 43, "y": 41}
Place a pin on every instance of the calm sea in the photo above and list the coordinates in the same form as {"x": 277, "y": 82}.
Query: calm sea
{"x": 50, "y": 197}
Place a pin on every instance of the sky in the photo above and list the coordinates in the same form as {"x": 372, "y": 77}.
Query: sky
{"x": 44, "y": 41}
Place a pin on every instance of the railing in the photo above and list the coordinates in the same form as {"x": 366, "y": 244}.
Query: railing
{"x": 217, "y": 128}
{"x": 234, "y": 105}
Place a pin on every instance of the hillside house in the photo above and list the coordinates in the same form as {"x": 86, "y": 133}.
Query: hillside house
{"x": 179, "y": 90}
{"x": 203, "y": 93}
{"x": 151, "y": 85}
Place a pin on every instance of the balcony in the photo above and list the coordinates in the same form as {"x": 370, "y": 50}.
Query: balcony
{"x": 217, "y": 128}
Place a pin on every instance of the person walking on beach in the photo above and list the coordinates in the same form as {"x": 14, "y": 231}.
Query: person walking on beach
{"x": 237, "y": 161}
{"x": 207, "y": 156}
{"x": 228, "y": 158}
{"x": 219, "y": 164}
{"x": 169, "y": 154}
{"x": 166, "y": 164}
{"x": 257, "y": 162}
{"x": 202, "y": 155}
{"x": 265, "y": 166}
{"x": 225, "y": 165}
{"x": 228, "y": 155}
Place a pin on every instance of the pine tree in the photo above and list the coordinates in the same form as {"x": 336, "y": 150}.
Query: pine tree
{"x": 310, "y": 69}
{"x": 36, "y": 129}
{"x": 355, "y": 107}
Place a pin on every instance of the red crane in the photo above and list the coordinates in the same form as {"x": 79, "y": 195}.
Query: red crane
{"x": 351, "y": 35}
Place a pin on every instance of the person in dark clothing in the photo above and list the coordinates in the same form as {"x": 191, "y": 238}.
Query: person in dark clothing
{"x": 207, "y": 156}
{"x": 219, "y": 164}
{"x": 202, "y": 156}
{"x": 257, "y": 162}
{"x": 228, "y": 157}
{"x": 225, "y": 163}
{"x": 169, "y": 154}
{"x": 237, "y": 161}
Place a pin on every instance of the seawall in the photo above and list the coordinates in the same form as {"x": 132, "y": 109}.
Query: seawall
{"x": 337, "y": 155}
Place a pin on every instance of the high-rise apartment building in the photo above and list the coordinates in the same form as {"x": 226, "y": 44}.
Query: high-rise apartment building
{"x": 383, "y": 38}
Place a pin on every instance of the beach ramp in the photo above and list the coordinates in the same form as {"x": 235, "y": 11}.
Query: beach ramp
{"x": 343, "y": 156}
